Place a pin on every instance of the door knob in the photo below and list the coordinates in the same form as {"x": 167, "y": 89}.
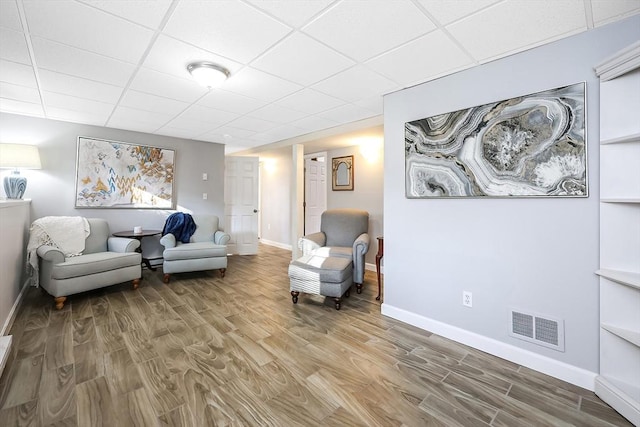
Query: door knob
{"x": 255, "y": 211}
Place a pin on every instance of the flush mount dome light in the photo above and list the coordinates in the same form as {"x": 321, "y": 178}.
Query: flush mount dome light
{"x": 208, "y": 74}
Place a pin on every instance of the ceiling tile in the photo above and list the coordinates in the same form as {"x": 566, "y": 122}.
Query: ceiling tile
{"x": 279, "y": 133}
{"x": 177, "y": 132}
{"x": 228, "y": 28}
{"x": 68, "y": 60}
{"x": 374, "y": 104}
{"x": 19, "y": 93}
{"x": 227, "y": 134}
{"x": 76, "y": 24}
{"x": 356, "y": 83}
{"x": 363, "y": 29}
{"x": 126, "y": 118}
{"x": 256, "y": 84}
{"x": 277, "y": 114}
{"x": 167, "y": 86}
{"x": 605, "y": 11}
{"x": 310, "y": 101}
{"x": 511, "y": 26}
{"x": 147, "y": 102}
{"x": 13, "y": 46}
{"x": 446, "y": 12}
{"x": 210, "y": 115}
{"x": 196, "y": 126}
{"x": 302, "y": 60}
{"x": 19, "y": 107}
{"x": 172, "y": 56}
{"x": 57, "y": 100}
{"x": 77, "y": 116}
{"x": 146, "y": 12}
{"x": 413, "y": 63}
{"x": 229, "y": 101}
{"x": 314, "y": 123}
{"x": 9, "y": 15}
{"x": 18, "y": 74}
{"x": 252, "y": 124}
{"x": 80, "y": 88}
{"x": 347, "y": 113}
{"x": 292, "y": 12}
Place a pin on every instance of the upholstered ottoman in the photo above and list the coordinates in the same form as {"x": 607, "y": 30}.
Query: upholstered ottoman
{"x": 326, "y": 276}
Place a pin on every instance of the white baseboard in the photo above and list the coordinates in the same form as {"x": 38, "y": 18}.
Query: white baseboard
{"x": 618, "y": 400}
{"x": 276, "y": 244}
{"x": 569, "y": 373}
{"x": 14, "y": 310}
{"x": 5, "y": 350}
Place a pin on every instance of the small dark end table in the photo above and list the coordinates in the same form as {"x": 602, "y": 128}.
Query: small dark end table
{"x": 379, "y": 256}
{"x": 145, "y": 233}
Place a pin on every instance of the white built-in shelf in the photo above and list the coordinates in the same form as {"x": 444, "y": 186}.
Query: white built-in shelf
{"x": 623, "y": 277}
{"x": 626, "y": 334}
{"x": 635, "y": 137}
{"x": 620, "y": 200}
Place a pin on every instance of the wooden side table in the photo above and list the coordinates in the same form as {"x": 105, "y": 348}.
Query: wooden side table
{"x": 379, "y": 256}
{"x": 138, "y": 236}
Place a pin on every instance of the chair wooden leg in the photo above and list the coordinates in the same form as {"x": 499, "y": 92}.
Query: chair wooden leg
{"x": 166, "y": 278}
{"x": 60, "y": 302}
{"x": 337, "y": 301}
{"x": 136, "y": 283}
{"x": 294, "y": 296}
{"x": 222, "y": 272}
{"x": 359, "y": 288}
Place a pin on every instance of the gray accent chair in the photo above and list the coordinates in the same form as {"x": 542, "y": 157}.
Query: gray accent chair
{"x": 105, "y": 261}
{"x": 343, "y": 234}
{"x": 206, "y": 250}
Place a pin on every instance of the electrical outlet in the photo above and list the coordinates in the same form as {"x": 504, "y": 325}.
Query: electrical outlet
{"x": 467, "y": 299}
{"x": 205, "y": 177}
{"x": 204, "y": 196}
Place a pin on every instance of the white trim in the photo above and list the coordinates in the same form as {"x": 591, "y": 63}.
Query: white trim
{"x": 276, "y": 244}
{"x": 620, "y": 63}
{"x": 14, "y": 310}
{"x": 5, "y": 350}
{"x": 618, "y": 399}
{"x": 569, "y": 373}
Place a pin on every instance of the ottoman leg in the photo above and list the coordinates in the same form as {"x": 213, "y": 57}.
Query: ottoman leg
{"x": 294, "y": 296}
{"x": 337, "y": 300}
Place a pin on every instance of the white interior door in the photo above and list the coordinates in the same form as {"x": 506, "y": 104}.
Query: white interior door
{"x": 241, "y": 204}
{"x": 315, "y": 193}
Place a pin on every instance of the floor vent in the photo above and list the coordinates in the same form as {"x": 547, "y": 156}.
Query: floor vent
{"x": 539, "y": 329}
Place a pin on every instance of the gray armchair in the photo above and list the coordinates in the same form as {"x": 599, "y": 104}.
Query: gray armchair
{"x": 343, "y": 234}
{"x": 207, "y": 249}
{"x": 105, "y": 261}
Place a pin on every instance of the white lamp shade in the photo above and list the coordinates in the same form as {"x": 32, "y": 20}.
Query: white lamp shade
{"x": 207, "y": 74}
{"x": 19, "y": 156}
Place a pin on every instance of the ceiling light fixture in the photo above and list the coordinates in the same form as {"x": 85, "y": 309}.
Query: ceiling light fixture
{"x": 208, "y": 74}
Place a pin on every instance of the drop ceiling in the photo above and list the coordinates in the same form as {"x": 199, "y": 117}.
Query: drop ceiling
{"x": 297, "y": 67}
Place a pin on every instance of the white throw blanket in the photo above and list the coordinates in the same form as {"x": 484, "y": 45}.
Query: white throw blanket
{"x": 67, "y": 233}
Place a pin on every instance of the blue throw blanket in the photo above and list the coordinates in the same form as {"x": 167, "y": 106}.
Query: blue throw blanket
{"x": 181, "y": 225}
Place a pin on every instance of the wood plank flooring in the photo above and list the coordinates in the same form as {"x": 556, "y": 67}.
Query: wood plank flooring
{"x": 205, "y": 351}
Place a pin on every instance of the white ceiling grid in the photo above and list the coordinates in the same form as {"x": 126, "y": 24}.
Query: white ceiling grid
{"x": 297, "y": 66}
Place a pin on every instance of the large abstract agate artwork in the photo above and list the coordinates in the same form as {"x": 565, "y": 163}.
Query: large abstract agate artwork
{"x": 529, "y": 146}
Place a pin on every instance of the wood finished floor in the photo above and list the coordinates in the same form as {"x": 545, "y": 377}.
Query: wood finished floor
{"x": 206, "y": 351}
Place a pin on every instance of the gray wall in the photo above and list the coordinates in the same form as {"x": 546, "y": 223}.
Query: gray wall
{"x": 367, "y": 194}
{"x": 52, "y": 189}
{"x": 537, "y": 255}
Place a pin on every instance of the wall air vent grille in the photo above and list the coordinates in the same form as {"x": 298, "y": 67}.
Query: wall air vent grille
{"x": 539, "y": 329}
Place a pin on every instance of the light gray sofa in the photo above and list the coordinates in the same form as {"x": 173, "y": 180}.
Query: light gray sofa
{"x": 105, "y": 261}
{"x": 344, "y": 234}
{"x": 207, "y": 249}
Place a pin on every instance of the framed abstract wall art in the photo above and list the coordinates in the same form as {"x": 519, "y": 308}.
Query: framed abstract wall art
{"x": 530, "y": 146}
{"x": 112, "y": 174}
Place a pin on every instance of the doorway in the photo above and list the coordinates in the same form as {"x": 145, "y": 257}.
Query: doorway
{"x": 315, "y": 190}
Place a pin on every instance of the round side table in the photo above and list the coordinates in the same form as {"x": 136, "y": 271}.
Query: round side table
{"x": 145, "y": 233}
